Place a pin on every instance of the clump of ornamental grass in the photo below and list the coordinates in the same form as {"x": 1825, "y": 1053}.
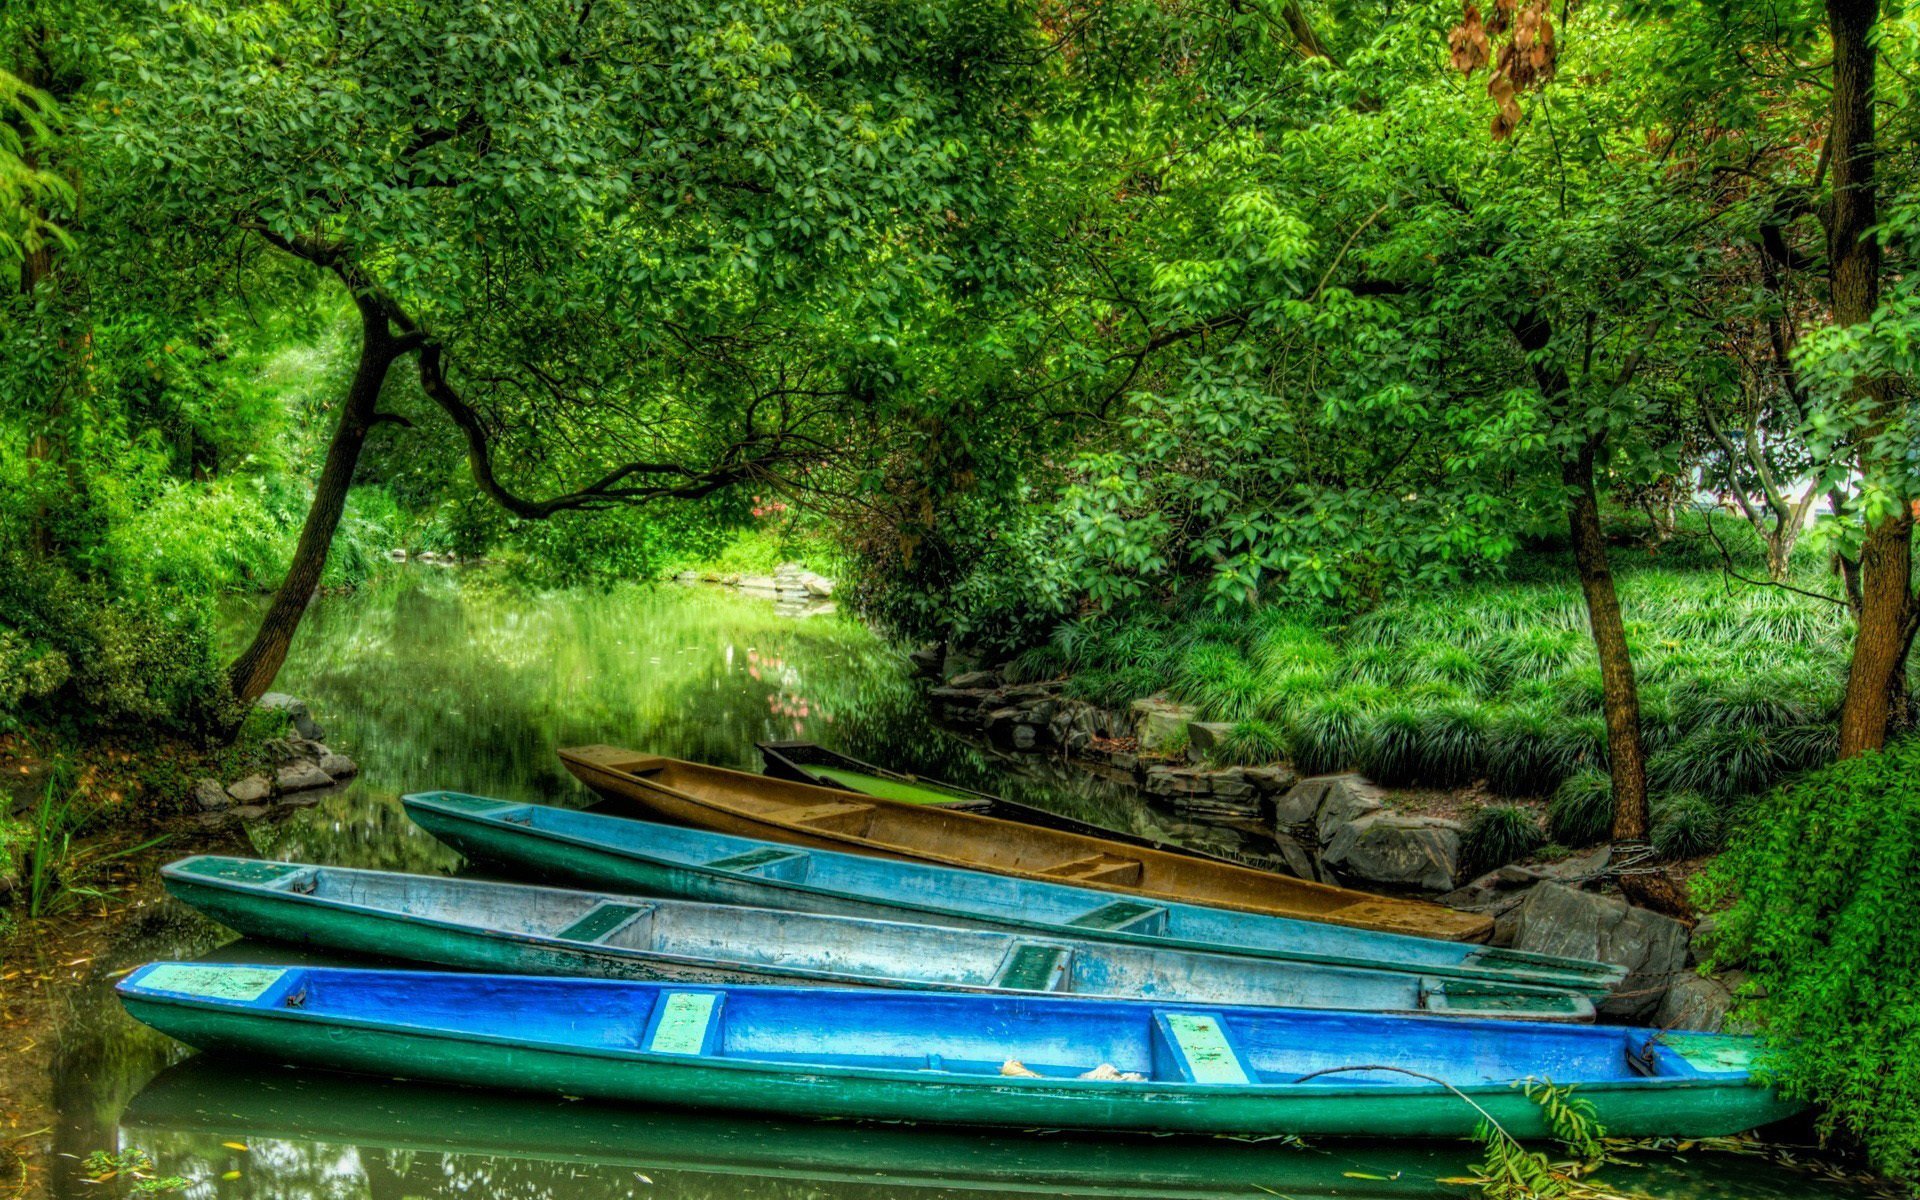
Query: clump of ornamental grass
{"x": 1539, "y": 652}
{"x": 1580, "y": 690}
{"x": 1456, "y": 667}
{"x": 1501, "y": 833}
{"x": 1389, "y": 750}
{"x": 1250, "y": 744}
{"x": 1580, "y": 743}
{"x": 1580, "y": 812}
{"x": 1719, "y": 762}
{"x": 1524, "y": 755}
{"x": 1216, "y": 679}
{"x": 1281, "y": 648}
{"x": 1280, "y": 692}
{"x": 1686, "y": 825}
{"x": 1324, "y": 732}
{"x": 1371, "y": 663}
{"x": 1452, "y": 748}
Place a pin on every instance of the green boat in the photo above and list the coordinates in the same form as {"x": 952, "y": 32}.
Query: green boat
{"x": 959, "y": 1058}
{"x": 479, "y": 925}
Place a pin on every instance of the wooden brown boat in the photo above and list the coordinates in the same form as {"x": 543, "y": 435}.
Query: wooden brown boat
{"x": 747, "y": 805}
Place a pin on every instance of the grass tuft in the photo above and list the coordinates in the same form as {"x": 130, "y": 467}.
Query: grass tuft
{"x": 1501, "y": 833}
{"x": 1581, "y": 810}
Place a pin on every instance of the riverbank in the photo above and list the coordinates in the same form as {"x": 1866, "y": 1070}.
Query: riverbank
{"x": 1344, "y": 828}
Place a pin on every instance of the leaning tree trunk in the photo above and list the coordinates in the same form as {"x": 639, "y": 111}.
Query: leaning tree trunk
{"x": 1641, "y": 881}
{"x": 252, "y": 673}
{"x": 1886, "y": 557}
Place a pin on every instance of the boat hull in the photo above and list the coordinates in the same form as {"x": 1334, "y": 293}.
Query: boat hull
{"x": 517, "y": 929}
{"x": 636, "y": 856}
{"x": 601, "y": 1062}
{"x": 734, "y": 802}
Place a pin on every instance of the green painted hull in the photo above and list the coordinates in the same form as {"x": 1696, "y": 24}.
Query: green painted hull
{"x": 525, "y": 852}
{"x": 1635, "y": 1108}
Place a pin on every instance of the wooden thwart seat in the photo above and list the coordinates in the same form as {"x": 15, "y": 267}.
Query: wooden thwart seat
{"x": 830, "y": 816}
{"x": 1097, "y": 868}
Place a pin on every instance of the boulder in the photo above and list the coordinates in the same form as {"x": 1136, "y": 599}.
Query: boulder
{"x": 1124, "y": 760}
{"x": 1392, "y": 848}
{"x": 251, "y": 790}
{"x": 975, "y": 679}
{"x": 687, "y": 577}
{"x": 209, "y": 796}
{"x": 1178, "y": 781}
{"x": 1271, "y": 781}
{"x": 1556, "y": 919}
{"x": 1299, "y": 858}
{"x": 249, "y": 812}
{"x": 1158, "y": 720}
{"x": 297, "y": 712}
{"x": 1697, "y": 1002}
{"x": 1024, "y": 737}
{"x": 302, "y": 775}
{"x": 926, "y": 661}
{"x": 1203, "y": 736}
{"x": 338, "y": 766}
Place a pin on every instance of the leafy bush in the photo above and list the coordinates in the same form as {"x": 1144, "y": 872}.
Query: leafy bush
{"x": 1581, "y": 810}
{"x": 1501, "y": 833}
{"x": 1825, "y": 914}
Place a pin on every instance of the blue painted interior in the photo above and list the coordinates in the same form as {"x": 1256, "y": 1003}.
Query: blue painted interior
{"x": 1057, "y": 1037}
{"x": 979, "y": 895}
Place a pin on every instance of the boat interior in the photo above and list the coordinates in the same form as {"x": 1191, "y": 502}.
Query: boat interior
{"x": 955, "y": 836}
{"x": 978, "y": 1035}
{"x": 909, "y": 891}
{"x": 771, "y": 943}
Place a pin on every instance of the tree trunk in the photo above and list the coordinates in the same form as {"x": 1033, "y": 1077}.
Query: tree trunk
{"x": 252, "y": 673}
{"x": 1886, "y": 557}
{"x": 1620, "y": 696}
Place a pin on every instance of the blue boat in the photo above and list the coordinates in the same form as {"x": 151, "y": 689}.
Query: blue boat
{"x": 517, "y": 929}
{"x": 958, "y": 1058}
{"x": 662, "y": 860}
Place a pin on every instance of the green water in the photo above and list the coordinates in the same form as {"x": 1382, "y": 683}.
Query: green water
{"x": 437, "y": 679}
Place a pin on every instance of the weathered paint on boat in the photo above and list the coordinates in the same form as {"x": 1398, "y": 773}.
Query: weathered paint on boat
{"x": 942, "y": 1057}
{"x": 663, "y": 860}
{"x": 748, "y": 805}
{"x": 533, "y": 930}
{"x": 809, "y": 762}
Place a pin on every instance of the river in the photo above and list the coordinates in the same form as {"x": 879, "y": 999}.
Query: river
{"x": 434, "y": 678}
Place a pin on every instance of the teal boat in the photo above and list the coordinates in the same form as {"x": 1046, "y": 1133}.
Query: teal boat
{"x": 661, "y": 860}
{"x": 534, "y": 930}
{"x": 956, "y": 1058}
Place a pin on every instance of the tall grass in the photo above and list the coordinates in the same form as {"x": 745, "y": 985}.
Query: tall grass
{"x": 1498, "y": 681}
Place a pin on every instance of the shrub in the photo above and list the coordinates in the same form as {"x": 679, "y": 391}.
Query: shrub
{"x": 1501, "y": 833}
{"x": 1581, "y": 810}
{"x": 1685, "y": 825}
{"x": 1826, "y": 917}
{"x": 1323, "y": 734}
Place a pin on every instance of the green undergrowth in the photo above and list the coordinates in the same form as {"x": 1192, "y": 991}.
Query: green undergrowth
{"x": 1822, "y": 889}
{"x": 1498, "y": 681}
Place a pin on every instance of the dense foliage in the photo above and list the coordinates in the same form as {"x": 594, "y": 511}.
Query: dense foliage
{"x": 1822, "y": 879}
